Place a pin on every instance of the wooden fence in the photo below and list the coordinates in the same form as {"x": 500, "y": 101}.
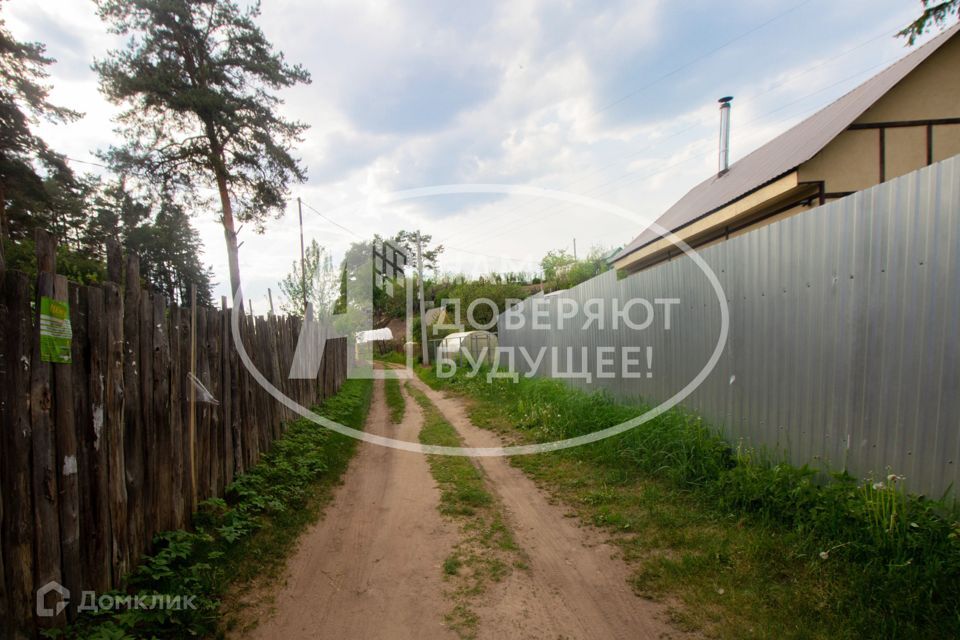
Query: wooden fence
{"x": 96, "y": 456}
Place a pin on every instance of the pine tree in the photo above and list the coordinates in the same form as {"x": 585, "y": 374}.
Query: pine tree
{"x": 28, "y": 167}
{"x": 197, "y": 77}
{"x": 158, "y": 232}
{"x": 935, "y": 12}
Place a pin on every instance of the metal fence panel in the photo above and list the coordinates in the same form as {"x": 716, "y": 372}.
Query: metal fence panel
{"x": 843, "y": 350}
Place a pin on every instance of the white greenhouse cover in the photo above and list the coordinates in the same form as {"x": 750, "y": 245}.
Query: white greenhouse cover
{"x": 374, "y": 334}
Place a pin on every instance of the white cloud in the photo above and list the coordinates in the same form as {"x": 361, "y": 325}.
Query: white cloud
{"x": 614, "y": 100}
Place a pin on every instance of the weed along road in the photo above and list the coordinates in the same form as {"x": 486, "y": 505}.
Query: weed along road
{"x": 372, "y": 567}
{"x": 428, "y": 547}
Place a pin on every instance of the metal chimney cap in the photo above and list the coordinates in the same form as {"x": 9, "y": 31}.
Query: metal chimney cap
{"x": 725, "y": 99}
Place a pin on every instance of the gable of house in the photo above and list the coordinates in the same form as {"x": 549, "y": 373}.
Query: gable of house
{"x": 903, "y": 118}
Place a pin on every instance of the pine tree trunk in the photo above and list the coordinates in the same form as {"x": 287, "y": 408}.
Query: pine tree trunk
{"x": 229, "y": 234}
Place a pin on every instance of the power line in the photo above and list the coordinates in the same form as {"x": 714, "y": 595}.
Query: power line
{"x": 333, "y": 222}
{"x": 95, "y": 164}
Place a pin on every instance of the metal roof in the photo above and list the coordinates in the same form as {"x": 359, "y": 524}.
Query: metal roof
{"x": 787, "y": 151}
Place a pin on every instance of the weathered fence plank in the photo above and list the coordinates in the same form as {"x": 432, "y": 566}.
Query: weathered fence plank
{"x": 226, "y": 399}
{"x": 95, "y": 453}
{"x": 160, "y": 478}
{"x": 66, "y": 460}
{"x": 176, "y": 425}
{"x": 148, "y": 437}
{"x": 132, "y": 423}
{"x": 46, "y": 504}
{"x": 17, "y": 539}
{"x": 114, "y": 430}
{"x": 95, "y": 491}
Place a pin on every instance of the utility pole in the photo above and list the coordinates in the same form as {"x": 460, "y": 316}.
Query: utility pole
{"x": 574, "y": 248}
{"x": 303, "y": 259}
{"x": 423, "y": 324}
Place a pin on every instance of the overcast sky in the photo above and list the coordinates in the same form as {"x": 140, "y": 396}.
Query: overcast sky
{"x": 614, "y": 100}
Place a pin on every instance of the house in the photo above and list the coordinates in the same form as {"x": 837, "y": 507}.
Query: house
{"x": 902, "y": 119}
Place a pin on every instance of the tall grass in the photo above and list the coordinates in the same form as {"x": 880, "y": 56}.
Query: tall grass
{"x": 395, "y": 402}
{"x": 897, "y": 554}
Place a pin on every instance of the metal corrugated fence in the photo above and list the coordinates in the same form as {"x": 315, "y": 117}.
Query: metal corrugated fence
{"x": 843, "y": 346}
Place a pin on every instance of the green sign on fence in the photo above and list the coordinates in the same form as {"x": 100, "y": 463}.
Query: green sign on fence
{"x": 55, "y": 331}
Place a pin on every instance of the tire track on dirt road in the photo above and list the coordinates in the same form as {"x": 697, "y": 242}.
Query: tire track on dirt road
{"x": 577, "y": 584}
{"x": 372, "y": 567}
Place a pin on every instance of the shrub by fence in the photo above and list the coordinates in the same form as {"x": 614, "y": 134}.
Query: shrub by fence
{"x": 100, "y": 453}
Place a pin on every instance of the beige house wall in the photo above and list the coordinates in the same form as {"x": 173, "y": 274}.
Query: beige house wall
{"x": 905, "y": 150}
{"x": 851, "y": 162}
{"x": 930, "y": 92}
{"x": 946, "y": 140}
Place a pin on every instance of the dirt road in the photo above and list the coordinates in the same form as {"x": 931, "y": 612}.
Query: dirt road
{"x": 372, "y": 567}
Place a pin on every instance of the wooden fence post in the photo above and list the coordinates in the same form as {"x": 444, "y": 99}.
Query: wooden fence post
{"x": 227, "y": 392}
{"x": 133, "y": 429}
{"x": 114, "y": 429}
{"x": 236, "y": 420}
{"x": 46, "y": 504}
{"x": 192, "y": 432}
{"x": 66, "y": 441}
{"x": 159, "y": 453}
{"x": 177, "y": 379}
{"x": 114, "y": 261}
{"x": 95, "y": 494}
{"x": 17, "y": 531}
{"x": 6, "y": 623}
{"x": 202, "y": 411}
{"x": 146, "y": 488}
{"x": 214, "y": 461}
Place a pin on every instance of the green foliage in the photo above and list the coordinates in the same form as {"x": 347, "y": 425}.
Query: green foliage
{"x": 32, "y": 176}
{"x": 935, "y": 12}
{"x": 392, "y": 357}
{"x": 77, "y": 266}
{"x": 406, "y": 241}
{"x": 895, "y": 556}
{"x": 195, "y": 77}
{"x": 554, "y": 263}
{"x": 562, "y": 271}
{"x": 467, "y": 292}
{"x": 197, "y": 80}
{"x": 395, "y": 400}
{"x": 487, "y": 551}
{"x": 233, "y": 538}
{"x": 321, "y": 283}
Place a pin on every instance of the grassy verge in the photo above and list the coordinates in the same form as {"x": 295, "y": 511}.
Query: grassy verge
{"x": 240, "y": 539}
{"x": 392, "y": 357}
{"x": 395, "y": 401}
{"x": 748, "y": 546}
{"x": 487, "y": 551}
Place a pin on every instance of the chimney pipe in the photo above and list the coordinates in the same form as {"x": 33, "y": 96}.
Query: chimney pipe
{"x": 724, "y": 134}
